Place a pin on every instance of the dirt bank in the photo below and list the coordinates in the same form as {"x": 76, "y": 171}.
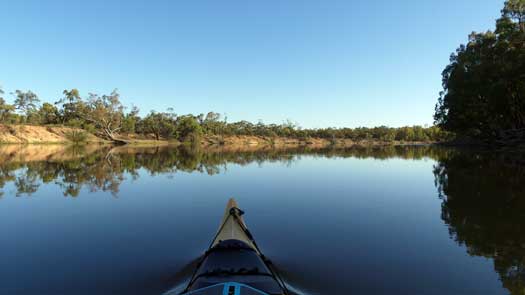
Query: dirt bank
{"x": 40, "y": 134}
{"x": 28, "y": 134}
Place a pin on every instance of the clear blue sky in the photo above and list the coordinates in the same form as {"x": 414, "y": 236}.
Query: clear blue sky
{"x": 319, "y": 63}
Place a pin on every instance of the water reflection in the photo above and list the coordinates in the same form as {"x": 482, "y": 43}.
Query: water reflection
{"x": 484, "y": 207}
{"x": 104, "y": 168}
{"x": 482, "y": 193}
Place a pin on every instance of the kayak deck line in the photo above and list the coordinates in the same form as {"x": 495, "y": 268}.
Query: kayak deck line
{"x": 229, "y": 288}
{"x": 233, "y": 263}
{"x": 233, "y": 227}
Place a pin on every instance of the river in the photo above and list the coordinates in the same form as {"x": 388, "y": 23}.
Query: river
{"x": 390, "y": 220}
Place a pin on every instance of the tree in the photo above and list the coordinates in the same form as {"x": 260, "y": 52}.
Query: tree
{"x": 212, "y": 123}
{"x": 105, "y": 112}
{"x": 212, "y": 117}
{"x": 188, "y": 129}
{"x": 26, "y": 102}
{"x": 5, "y": 109}
{"x": 129, "y": 123}
{"x": 484, "y": 84}
{"x": 48, "y": 114}
{"x": 515, "y": 10}
{"x": 71, "y": 105}
{"x": 159, "y": 124}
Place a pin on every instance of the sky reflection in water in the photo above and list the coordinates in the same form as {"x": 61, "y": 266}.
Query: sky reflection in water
{"x": 405, "y": 220}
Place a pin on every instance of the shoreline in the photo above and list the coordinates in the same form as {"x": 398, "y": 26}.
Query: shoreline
{"x": 20, "y": 153}
{"x": 60, "y": 135}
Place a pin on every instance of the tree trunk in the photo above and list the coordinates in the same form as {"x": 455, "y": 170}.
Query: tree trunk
{"x": 109, "y": 135}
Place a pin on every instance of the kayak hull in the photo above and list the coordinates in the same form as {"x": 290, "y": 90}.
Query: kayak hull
{"x": 232, "y": 226}
{"x": 233, "y": 264}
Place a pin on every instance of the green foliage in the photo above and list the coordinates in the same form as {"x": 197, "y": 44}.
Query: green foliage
{"x": 90, "y": 128}
{"x": 484, "y": 84}
{"x": 26, "y": 102}
{"x": 515, "y": 10}
{"x": 6, "y": 111}
{"x": 48, "y": 114}
{"x": 76, "y": 136}
{"x": 212, "y": 124}
{"x": 161, "y": 125}
{"x": 105, "y": 112}
{"x": 104, "y": 115}
{"x": 71, "y": 105}
{"x": 130, "y": 120}
{"x": 188, "y": 129}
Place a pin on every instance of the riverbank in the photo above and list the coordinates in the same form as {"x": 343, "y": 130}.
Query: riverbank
{"x": 507, "y": 140}
{"x": 24, "y": 134}
{"x": 29, "y": 134}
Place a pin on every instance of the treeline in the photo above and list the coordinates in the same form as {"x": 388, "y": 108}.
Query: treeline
{"x": 106, "y": 116}
{"x": 483, "y": 93}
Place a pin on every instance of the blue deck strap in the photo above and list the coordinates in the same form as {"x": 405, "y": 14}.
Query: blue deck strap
{"x": 238, "y": 288}
{"x": 226, "y": 288}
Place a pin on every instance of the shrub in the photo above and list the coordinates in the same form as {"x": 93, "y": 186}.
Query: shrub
{"x": 76, "y": 136}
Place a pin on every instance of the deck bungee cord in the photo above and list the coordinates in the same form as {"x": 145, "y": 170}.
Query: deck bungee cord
{"x": 233, "y": 264}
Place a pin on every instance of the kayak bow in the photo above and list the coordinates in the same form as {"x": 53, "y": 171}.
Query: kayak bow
{"x": 234, "y": 264}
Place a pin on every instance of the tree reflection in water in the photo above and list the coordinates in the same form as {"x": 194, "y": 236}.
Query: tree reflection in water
{"x": 483, "y": 193}
{"x": 483, "y": 205}
{"x": 104, "y": 168}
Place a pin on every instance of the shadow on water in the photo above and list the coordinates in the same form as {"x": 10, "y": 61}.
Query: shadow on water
{"x": 482, "y": 193}
{"x": 483, "y": 205}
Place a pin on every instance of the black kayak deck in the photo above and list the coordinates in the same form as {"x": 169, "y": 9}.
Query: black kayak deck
{"x": 233, "y": 264}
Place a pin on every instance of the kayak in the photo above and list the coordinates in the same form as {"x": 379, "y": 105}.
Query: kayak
{"x": 233, "y": 263}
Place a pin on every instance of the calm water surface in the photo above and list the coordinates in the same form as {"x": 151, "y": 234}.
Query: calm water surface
{"x": 406, "y": 220}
